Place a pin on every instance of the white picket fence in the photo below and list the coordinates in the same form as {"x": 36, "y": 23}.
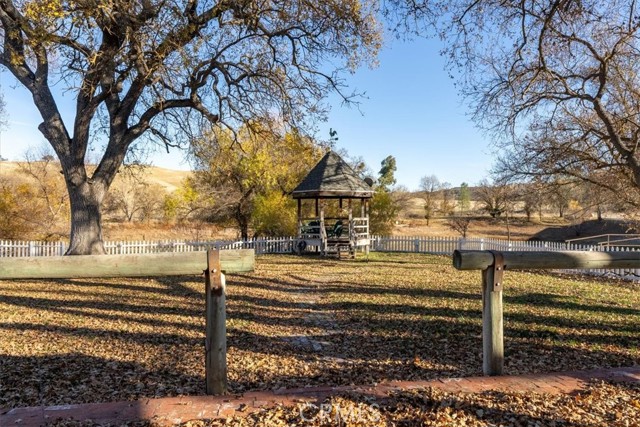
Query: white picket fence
{"x": 11, "y": 248}
{"x": 446, "y": 245}
{"x": 413, "y": 244}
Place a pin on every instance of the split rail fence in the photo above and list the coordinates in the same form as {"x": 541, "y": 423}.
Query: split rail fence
{"x": 214, "y": 263}
{"x": 493, "y": 265}
{"x": 282, "y": 245}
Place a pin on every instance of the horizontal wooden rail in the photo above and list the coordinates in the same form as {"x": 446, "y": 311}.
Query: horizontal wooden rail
{"x": 494, "y": 263}
{"x": 139, "y": 265}
{"x": 530, "y": 260}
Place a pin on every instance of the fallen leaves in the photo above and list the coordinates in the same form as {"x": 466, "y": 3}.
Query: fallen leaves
{"x": 300, "y": 322}
{"x": 601, "y": 404}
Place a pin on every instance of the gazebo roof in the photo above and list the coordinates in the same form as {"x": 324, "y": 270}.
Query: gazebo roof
{"x": 332, "y": 177}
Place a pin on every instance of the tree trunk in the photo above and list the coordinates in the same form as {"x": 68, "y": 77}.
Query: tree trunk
{"x": 86, "y": 220}
{"x": 244, "y": 228}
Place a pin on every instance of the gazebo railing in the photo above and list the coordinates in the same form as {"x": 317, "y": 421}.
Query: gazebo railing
{"x": 359, "y": 228}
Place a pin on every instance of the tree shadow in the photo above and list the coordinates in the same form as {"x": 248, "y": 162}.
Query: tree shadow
{"x": 78, "y": 378}
{"x": 365, "y": 334}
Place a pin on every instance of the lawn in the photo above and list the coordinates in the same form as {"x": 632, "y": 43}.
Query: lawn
{"x": 300, "y": 321}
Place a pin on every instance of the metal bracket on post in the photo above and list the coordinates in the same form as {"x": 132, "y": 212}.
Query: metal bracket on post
{"x": 498, "y": 270}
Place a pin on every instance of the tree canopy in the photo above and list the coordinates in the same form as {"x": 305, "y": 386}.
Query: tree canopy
{"x": 165, "y": 70}
{"x": 555, "y": 83}
{"x": 253, "y": 173}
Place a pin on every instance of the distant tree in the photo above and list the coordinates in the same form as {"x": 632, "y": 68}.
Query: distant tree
{"x": 430, "y": 185}
{"x": 383, "y": 212}
{"x": 386, "y": 175}
{"x": 533, "y": 195}
{"x": 464, "y": 197}
{"x": 460, "y": 224}
{"x": 597, "y": 199}
{"x": 357, "y": 163}
{"x": 16, "y": 220}
{"x": 560, "y": 194}
{"x": 401, "y": 197}
{"x": 133, "y": 197}
{"x": 50, "y": 197}
{"x": 447, "y": 205}
{"x": 383, "y": 208}
{"x": 493, "y": 197}
{"x": 188, "y": 203}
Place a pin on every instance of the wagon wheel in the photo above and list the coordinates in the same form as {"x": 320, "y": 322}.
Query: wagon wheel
{"x": 300, "y": 246}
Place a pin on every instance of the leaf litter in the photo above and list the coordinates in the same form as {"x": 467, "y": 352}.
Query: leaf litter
{"x": 299, "y": 322}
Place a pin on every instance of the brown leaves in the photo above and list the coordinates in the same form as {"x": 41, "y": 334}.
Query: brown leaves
{"x": 601, "y": 404}
{"x": 300, "y": 322}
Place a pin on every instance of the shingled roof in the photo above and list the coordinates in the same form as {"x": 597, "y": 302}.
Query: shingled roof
{"x": 332, "y": 177}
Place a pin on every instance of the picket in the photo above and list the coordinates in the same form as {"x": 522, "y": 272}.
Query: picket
{"x": 283, "y": 245}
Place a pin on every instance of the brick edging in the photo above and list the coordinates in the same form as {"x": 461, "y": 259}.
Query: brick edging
{"x": 172, "y": 410}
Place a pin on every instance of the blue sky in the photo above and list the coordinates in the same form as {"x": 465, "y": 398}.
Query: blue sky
{"x": 412, "y": 112}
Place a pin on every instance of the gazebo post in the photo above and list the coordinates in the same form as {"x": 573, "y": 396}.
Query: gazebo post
{"x": 323, "y": 229}
{"x": 366, "y": 215}
{"x": 299, "y": 216}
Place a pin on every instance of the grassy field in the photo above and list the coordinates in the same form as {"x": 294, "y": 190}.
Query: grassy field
{"x": 297, "y": 322}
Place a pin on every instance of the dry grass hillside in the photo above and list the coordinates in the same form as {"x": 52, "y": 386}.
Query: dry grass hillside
{"x": 168, "y": 179}
{"x": 549, "y": 228}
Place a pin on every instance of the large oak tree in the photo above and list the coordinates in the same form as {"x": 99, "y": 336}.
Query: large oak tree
{"x": 144, "y": 70}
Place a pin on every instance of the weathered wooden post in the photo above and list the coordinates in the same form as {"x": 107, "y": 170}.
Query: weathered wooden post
{"x": 493, "y": 265}
{"x": 216, "y": 328}
{"x": 492, "y": 317}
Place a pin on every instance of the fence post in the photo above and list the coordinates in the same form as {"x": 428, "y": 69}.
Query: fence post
{"x": 216, "y": 328}
{"x": 492, "y": 319}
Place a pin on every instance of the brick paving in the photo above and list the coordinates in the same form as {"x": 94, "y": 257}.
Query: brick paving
{"x": 172, "y": 410}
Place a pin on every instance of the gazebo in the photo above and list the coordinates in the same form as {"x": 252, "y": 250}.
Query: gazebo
{"x": 334, "y": 229}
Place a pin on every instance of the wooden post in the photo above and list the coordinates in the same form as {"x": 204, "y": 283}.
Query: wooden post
{"x": 216, "y": 328}
{"x": 493, "y": 265}
{"x": 300, "y": 217}
{"x": 492, "y": 318}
